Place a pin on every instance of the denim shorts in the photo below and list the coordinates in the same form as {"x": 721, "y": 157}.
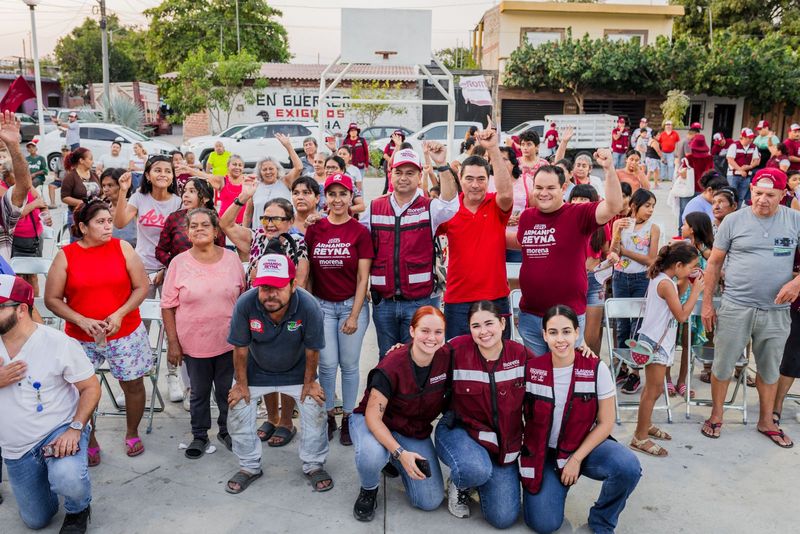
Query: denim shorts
{"x": 128, "y": 357}
{"x": 596, "y": 295}
{"x": 660, "y": 356}
{"x": 652, "y": 164}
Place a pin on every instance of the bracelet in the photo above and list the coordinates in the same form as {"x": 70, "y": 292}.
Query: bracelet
{"x": 238, "y": 202}
{"x": 444, "y": 168}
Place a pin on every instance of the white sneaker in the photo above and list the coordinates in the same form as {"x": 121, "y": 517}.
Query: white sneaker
{"x": 457, "y": 500}
{"x": 174, "y": 388}
{"x": 187, "y": 397}
{"x": 120, "y": 399}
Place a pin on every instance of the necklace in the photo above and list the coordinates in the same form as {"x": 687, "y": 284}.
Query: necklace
{"x": 766, "y": 230}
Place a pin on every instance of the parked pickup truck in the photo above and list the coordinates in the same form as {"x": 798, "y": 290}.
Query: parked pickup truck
{"x": 591, "y": 131}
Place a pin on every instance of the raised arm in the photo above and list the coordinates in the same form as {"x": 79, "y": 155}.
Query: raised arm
{"x": 503, "y": 182}
{"x": 239, "y": 235}
{"x": 297, "y": 165}
{"x": 10, "y": 136}
{"x": 124, "y": 213}
{"x": 612, "y": 203}
{"x": 561, "y": 152}
{"x": 447, "y": 180}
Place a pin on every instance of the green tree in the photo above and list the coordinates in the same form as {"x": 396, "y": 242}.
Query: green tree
{"x": 750, "y": 18}
{"x": 367, "y": 114}
{"x": 178, "y": 27}
{"x": 210, "y": 81}
{"x": 457, "y": 58}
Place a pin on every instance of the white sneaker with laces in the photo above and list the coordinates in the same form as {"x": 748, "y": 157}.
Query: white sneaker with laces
{"x": 174, "y": 388}
{"x": 457, "y": 501}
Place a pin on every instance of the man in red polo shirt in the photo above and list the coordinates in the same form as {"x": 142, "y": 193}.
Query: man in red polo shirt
{"x": 668, "y": 141}
{"x": 620, "y": 142}
{"x": 476, "y": 238}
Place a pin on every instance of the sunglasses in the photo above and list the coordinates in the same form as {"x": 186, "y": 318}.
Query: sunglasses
{"x": 271, "y": 219}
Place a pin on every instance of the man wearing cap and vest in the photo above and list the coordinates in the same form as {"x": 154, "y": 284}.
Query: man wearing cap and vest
{"x": 620, "y": 143}
{"x": 48, "y": 393}
{"x": 359, "y": 147}
{"x": 719, "y": 151}
{"x": 757, "y": 245}
{"x": 742, "y": 157}
{"x": 277, "y": 333}
{"x": 403, "y": 225}
{"x": 792, "y": 143}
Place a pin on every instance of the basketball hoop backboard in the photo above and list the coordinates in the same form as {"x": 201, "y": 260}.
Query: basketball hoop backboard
{"x": 365, "y": 38}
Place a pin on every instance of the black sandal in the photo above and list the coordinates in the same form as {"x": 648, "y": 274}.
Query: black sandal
{"x": 226, "y": 440}
{"x": 320, "y": 475}
{"x": 268, "y": 429}
{"x": 243, "y": 479}
{"x": 196, "y": 449}
{"x": 285, "y": 434}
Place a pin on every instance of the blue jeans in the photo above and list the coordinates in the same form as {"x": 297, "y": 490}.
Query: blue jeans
{"x": 667, "y": 166}
{"x": 530, "y": 328}
{"x": 628, "y": 285}
{"x": 613, "y": 464}
{"x": 457, "y": 317}
{"x": 371, "y": 457}
{"x": 393, "y": 318}
{"x": 683, "y": 202}
{"x": 619, "y": 159}
{"x": 472, "y": 467}
{"x": 37, "y": 482}
{"x": 742, "y": 186}
{"x": 341, "y": 350}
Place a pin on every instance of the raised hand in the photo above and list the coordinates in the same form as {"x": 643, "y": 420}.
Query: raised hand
{"x": 603, "y": 158}
{"x": 283, "y": 139}
{"x": 568, "y": 134}
{"x": 125, "y": 182}
{"x": 10, "y": 128}
{"x": 488, "y": 138}
{"x": 437, "y": 152}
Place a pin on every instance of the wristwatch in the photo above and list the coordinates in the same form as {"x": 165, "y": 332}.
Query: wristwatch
{"x": 443, "y": 168}
{"x": 238, "y": 202}
{"x": 76, "y": 425}
{"x": 396, "y": 454}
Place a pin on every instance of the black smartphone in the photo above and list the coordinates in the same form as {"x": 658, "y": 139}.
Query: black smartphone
{"x": 423, "y": 466}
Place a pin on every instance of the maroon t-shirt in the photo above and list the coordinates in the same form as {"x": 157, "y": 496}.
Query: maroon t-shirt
{"x": 334, "y": 251}
{"x": 554, "y": 257}
{"x": 793, "y": 149}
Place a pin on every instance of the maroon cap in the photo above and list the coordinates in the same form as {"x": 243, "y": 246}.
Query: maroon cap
{"x": 400, "y": 133}
{"x": 695, "y": 126}
{"x": 747, "y": 132}
{"x": 339, "y": 179}
{"x": 15, "y": 289}
{"x": 762, "y": 124}
{"x": 353, "y": 126}
{"x": 620, "y": 119}
{"x": 698, "y": 145}
{"x": 770, "y": 178}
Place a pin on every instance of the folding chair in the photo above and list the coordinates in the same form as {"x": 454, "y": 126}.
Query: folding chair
{"x": 705, "y": 355}
{"x": 150, "y": 311}
{"x": 516, "y": 297}
{"x": 626, "y": 308}
{"x": 50, "y": 318}
{"x": 32, "y": 265}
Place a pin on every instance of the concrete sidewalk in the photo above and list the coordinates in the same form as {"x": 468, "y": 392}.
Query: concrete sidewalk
{"x": 738, "y": 483}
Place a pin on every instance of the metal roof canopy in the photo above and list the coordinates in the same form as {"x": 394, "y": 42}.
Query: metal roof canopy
{"x": 364, "y": 39}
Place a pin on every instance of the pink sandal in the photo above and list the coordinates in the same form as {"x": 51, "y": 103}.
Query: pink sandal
{"x": 682, "y": 391}
{"x": 130, "y": 447}
{"x": 670, "y": 389}
{"x": 93, "y": 456}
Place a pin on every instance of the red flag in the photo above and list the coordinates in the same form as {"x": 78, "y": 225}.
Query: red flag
{"x": 18, "y": 92}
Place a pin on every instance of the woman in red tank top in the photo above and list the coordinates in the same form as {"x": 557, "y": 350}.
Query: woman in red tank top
{"x": 96, "y": 285}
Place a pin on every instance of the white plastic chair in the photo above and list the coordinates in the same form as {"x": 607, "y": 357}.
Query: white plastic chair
{"x": 50, "y": 318}
{"x": 516, "y": 297}
{"x": 32, "y": 265}
{"x": 627, "y": 308}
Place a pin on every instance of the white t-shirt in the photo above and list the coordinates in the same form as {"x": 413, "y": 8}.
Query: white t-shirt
{"x": 441, "y": 210}
{"x": 110, "y": 162}
{"x": 562, "y": 377}
{"x": 659, "y": 324}
{"x": 55, "y": 361}
{"x": 150, "y": 219}
{"x": 264, "y": 193}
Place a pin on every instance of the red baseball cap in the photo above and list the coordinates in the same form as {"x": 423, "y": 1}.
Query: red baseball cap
{"x": 274, "y": 270}
{"x": 15, "y": 289}
{"x": 339, "y": 179}
{"x": 747, "y": 132}
{"x": 762, "y": 124}
{"x": 695, "y": 126}
{"x": 353, "y": 126}
{"x": 621, "y": 119}
{"x": 407, "y": 156}
{"x": 770, "y": 178}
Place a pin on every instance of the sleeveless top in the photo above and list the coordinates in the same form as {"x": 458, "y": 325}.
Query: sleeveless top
{"x": 227, "y": 195}
{"x": 636, "y": 241}
{"x": 97, "y": 285}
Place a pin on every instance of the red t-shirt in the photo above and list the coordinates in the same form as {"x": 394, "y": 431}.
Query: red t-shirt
{"x": 554, "y": 257}
{"x": 552, "y": 138}
{"x": 668, "y": 141}
{"x": 621, "y": 145}
{"x": 333, "y": 252}
{"x": 476, "y": 239}
{"x": 227, "y": 194}
{"x": 793, "y": 149}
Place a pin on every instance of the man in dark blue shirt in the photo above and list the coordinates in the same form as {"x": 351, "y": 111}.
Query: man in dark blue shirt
{"x": 277, "y": 333}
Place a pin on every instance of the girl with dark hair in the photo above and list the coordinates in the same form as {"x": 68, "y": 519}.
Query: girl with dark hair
{"x": 480, "y": 437}
{"x": 96, "y": 285}
{"x": 80, "y": 182}
{"x": 569, "y": 415}
{"x": 197, "y": 301}
{"x": 305, "y": 196}
{"x": 675, "y": 265}
{"x": 174, "y": 238}
{"x": 392, "y": 425}
{"x": 635, "y": 241}
{"x": 597, "y": 251}
{"x": 109, "y": 183}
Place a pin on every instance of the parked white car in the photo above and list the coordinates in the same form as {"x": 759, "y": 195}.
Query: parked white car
{"x": 257, "y": 141}
{"x": 537, "y": 126}
{"x": 202, "y": 141}
{"x": 435, "y": 131}
{"x": 97, "y": 137}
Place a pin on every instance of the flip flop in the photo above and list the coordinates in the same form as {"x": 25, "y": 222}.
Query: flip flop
{"x": 268, "y": 429}
{"x": 776, "y": 418}
{"x": 772, "y": 434}
{"x": 93, "y": 456}
{"x": 244, "y": 480}
{"x": 320, "y": 475}
{"x": 284, "y": 434}
{"x": 713, "y": 426}
{"x": 130, "y": 447}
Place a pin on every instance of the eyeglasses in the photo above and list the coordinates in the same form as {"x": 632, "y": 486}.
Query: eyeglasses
{"x": 37, "y": 386}
{"x": 272, "y": 219}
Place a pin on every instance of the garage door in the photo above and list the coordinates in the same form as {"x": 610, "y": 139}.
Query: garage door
{"x": 633, "y": 110}
{"x": 518, "y": 111}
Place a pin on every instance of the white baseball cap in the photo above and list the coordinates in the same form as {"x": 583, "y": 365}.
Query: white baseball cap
{"x": 407, "y": 156}
{"x": 274, "y": 270}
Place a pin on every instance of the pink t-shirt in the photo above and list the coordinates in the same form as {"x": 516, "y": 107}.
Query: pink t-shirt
{"x": 333, "y": 252}
{"x": 554, "y": 257}
{"x": 27, "y": 227}
{"x": 204, "y": 296}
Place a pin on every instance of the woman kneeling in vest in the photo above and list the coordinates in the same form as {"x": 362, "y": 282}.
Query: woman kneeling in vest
{"x": 569, "y": 414}
{"x": 405, "y": 393}
{"x": 480, "y": 438}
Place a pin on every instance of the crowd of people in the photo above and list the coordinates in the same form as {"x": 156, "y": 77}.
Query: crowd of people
{"x": 268, "y": 282}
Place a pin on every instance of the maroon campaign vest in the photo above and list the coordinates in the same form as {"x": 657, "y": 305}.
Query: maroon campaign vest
{"x": 411, "y": 410}
{"x": 488, "y": 396}
{"x": 744, "y": 156}
{"x": 404, "y": 255}
{"x": 580, "y": 415}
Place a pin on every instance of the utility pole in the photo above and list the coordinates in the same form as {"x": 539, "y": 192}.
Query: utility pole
{"x": 238, "y": 40}
{"x": 104, "y": 44}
